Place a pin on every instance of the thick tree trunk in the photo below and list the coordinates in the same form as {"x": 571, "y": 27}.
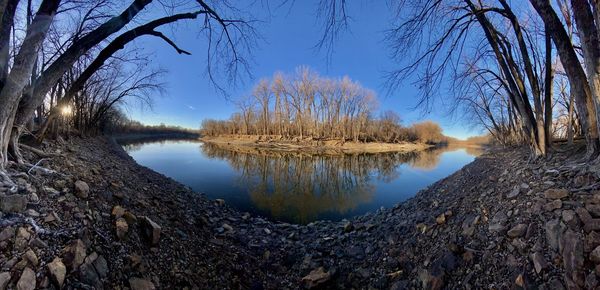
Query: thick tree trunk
{"x": 588, "y": 34}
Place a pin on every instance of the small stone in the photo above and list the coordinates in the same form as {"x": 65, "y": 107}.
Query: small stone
{"x": 31, "y": 257}
{"x": 441, "y": 219}
{"x": 595, "y": 255}
{"x": 7, "y": 233}
{"x": 151, "y": 230}
{"x": 220, "y": 202}
{"x": 348, "y": 227}
{"x": 74, "y": 254}
{"x": 592, "y": 225}
{"x": 88, "y": 275}
{"x": 140, "y": 284}
{"x": 130, "y": 218}
{"x": 514, "y": 193}
{"x": 554, "y": 193}
{"x": 520, "y": 281}
{"x": 82, "y": 189}
{"x": 553, "y": 230}
{"x": 122, "y": 228}
{"x": 539, "y": 263}
{"x": 517, "y": 231}
{"x": 57, "y": 271}
{"x": 117, "y": 211}
{"x": 267, "y": 231}
{"x": 583, "y": 214}
{"x": 27, "y": 280}
{"x": 4, "y": 279}
{"x": 101, "y": 266}
{"x": 569, "y": 217}
{"x": 421, "y": 227}
{"x": 32, "y": 213}
{"x": 33, "y": 197}
{"x": 468, "y": 225}
{"x": 497, "y": 222}
{"x": 22, "y": 238}
{"x": 14, "y": 203}
{"x": 593, "y": 209}
{"x": 315, "y": 278}
{"x": 228, "y": 227}
{"x": 555, "y": 204}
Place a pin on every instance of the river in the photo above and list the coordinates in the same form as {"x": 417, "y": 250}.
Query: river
{"x": 295, "y": 187}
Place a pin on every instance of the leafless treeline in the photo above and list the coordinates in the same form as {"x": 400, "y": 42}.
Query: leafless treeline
{"x": 306, "y": 105}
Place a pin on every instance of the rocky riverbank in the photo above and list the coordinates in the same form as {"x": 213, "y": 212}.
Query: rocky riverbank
{"x": 101, "y": 220}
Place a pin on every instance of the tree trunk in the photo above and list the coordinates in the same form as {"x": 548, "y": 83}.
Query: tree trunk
{"x": 570, "y": 129}
{"x": 548, "y": 80}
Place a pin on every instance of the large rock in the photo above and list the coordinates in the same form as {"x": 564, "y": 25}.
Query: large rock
{"x": 554, "y": 193}
{"x": 14, "y": 203}
{"x": 140, "y": 284}
{"x": 151, "y": 230}
{"x": 27, "y": 280}
{"x": 57, "y": 271}
{"x": 82, "y": 189}
{"x": 315, "y": 278}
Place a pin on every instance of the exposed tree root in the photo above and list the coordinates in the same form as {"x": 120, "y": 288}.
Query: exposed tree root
{"x": 19, "y": 219}
{"x": 7, "y": 180}
{"x": 28, "y": 167}
{"x": 38, "y": 152}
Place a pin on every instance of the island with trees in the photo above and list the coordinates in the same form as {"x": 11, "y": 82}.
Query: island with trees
{"x": 307, "y": 112}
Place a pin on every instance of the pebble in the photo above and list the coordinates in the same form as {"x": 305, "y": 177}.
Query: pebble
{"x": 82, "y": 189}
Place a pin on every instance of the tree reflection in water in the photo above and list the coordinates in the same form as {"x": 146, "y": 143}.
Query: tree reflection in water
{"x": 300, "y": 187}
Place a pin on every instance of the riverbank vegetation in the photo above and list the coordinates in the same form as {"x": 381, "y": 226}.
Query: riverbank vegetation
{"x": 306, "y": 105}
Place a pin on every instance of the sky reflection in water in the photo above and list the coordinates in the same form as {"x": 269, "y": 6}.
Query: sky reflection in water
{"x": 300, "y": 188}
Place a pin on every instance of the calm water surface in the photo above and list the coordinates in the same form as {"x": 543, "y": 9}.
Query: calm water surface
{"x": 300, "y": 188}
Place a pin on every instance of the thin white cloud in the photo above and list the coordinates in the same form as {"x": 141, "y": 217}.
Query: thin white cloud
{"x": 191, "y": 107}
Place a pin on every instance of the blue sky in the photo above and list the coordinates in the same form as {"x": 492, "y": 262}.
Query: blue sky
{"x": 289, "y": 36}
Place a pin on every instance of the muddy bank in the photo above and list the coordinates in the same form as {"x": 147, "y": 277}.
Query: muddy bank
{"x": 103, "y": 221}
{"x": 309, "y": 145}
